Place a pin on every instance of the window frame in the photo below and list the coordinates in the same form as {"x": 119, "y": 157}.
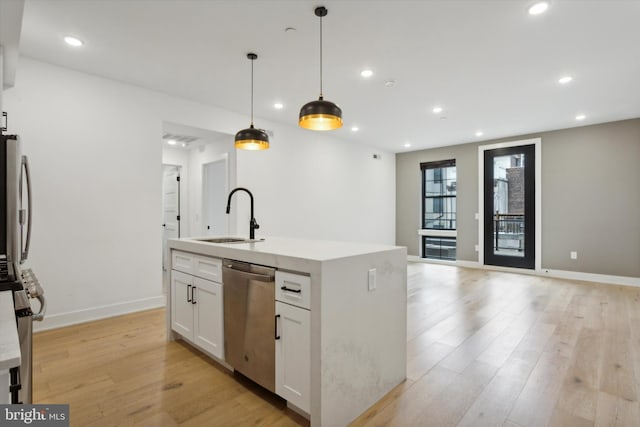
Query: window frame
{"x": 439, "y": 164}
{"x": 438, "y": 233}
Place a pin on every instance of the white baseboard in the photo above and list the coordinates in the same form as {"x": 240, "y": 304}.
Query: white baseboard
{"x": 592, "y": 277}
{"x": 546, "y": 272}
{"x": 60, "y": 320}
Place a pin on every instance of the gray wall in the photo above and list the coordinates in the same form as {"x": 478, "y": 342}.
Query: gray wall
{"x": 590, "y": 197}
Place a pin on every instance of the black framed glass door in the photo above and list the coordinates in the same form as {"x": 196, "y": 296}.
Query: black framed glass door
{"x": 509, "y": 206}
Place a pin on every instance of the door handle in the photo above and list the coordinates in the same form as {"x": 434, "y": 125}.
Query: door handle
{"x": 189, "y": 293}
{"x": 193, "y": 299}
{"x": 276, "y": 327}
{"x": 27, "y": 174}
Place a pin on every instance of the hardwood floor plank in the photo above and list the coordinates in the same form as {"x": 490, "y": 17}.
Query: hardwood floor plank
{"x": 494, "y": 404}
{"x": 449, "y": 406}
{"x": 579, "y": 393}
{"x": 618, "y": 368}
{"x": 615, "y": 411}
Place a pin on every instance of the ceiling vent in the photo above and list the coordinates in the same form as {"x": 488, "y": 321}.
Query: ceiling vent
{"x": 179, "y": 138}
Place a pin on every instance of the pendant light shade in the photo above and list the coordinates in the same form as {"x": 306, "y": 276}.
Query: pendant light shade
{"x": 320, "y": 114}
{"x": 252, "y": 138}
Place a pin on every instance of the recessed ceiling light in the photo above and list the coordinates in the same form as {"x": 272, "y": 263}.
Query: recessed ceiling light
{"x": 407, "y": 145}
{"x": 172, "y": 142}
{"x": 366, "y": 73}
{"x": 289, "y": 30}
{"x": 564, "y": 80}
{"x": 278, "y": 106}
{"x": 538, "y": 8}
{"x": 355, "y": 128}
{"x": 437, "y": 110}
{"x": 390, "y": 83}
{"x": 73, "y": 41}
{"x": 184, "y": 144}
{"x": 479, "y": 133}
{"x": 581, "y": 117}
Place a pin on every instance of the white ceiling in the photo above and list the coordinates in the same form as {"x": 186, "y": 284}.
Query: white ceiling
{"x": 491, "y": 65}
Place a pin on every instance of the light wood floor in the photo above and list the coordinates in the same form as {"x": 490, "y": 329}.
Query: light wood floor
{"x": 484, "y": 349}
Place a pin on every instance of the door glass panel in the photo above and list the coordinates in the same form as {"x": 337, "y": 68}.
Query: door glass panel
{"x": 508, "y": 205}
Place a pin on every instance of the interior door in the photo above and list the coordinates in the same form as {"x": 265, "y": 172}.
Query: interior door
{"x": 509, "y": 207}
{"x": 170, "y": 210}
{"x": 214, "y": 198}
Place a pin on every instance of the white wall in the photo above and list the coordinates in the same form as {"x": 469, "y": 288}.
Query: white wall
{"x": 309, "y": 185}
{"x": 96, "y": 159}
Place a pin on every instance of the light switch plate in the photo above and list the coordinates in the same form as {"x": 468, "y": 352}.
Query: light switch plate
{"x": 372, "y": 279}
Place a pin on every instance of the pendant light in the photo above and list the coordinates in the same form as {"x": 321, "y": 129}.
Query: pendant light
{"x": 320, "y": 114}
{"x": 252, "y": 138}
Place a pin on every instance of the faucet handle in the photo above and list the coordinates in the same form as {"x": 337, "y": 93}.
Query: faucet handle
{"x": 254, "y": 223}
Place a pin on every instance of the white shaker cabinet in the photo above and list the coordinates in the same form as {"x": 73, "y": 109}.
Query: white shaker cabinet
{"x": 197, "y": 304}
{"x": 293, "y": 341}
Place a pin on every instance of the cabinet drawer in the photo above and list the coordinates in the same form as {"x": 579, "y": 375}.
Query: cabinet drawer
{"x": 208, "y": 268}
{"x": 294, "y": 289}
{"x": 182, "y": 261}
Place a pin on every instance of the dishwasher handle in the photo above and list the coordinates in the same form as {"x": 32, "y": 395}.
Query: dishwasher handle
{"x": 246, "y": 274}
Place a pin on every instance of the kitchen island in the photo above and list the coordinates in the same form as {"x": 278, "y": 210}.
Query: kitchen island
{"x": 355, "y": 338}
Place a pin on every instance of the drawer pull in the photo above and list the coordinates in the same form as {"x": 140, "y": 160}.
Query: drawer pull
{"x": 297, "y": 291}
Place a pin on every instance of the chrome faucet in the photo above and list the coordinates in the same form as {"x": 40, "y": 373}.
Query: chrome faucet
{"x": 252, "y": 224}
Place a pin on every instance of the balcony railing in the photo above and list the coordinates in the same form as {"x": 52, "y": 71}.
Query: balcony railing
{"x": 508, "y": 230}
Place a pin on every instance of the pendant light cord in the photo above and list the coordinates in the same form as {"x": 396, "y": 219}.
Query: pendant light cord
{"x": 320, "y": 57}
{"x": 252, "y": 92}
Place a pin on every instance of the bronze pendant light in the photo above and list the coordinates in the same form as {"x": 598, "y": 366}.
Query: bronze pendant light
{"x": 320, "y": 114}
{"x": 252, "y": 138}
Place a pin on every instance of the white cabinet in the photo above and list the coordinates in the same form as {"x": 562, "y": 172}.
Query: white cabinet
{"x": 208, "y": 320}
{"x": 293, "y": 345}
{"x": 181, "y": 306}
{"x": 197, "y": 304}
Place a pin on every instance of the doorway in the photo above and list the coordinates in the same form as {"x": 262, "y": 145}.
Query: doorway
{"x": 215, "y": 188}
{"x": 170, "y": 210}
{"x": 509, "y": 201}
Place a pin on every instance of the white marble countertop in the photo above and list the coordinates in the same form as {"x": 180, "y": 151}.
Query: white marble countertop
{"x": 298, "y": 254}
{"x": 9, "y": 344}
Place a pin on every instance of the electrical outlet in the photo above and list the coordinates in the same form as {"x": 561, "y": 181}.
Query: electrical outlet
{"x": 574, "y": 255}
{"x": 372, "y": 279}
{"x": 477, "y": 216}
{"x": 477, "y": 248}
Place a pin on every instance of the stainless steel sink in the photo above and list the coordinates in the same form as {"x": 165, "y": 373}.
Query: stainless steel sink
{"x": 229, "y": 240}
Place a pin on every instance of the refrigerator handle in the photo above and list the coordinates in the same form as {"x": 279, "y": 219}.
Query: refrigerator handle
{"x": 39, "y": 316}
{"x": 27, "y": 174}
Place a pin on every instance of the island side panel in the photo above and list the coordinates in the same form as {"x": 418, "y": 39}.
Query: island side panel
{"x": 364, "y": 333}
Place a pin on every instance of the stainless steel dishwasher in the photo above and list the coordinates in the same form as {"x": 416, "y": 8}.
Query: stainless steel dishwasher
{"x": 249, "y": 317}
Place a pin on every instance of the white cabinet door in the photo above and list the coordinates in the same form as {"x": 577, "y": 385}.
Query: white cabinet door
{"x": 293, "y": 355}
{"x": 208, "y": 317}
{"x": 181, "y": 306}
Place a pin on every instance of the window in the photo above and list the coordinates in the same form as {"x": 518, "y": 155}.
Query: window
{"x": 439, "y": 185}
{"x": 439, "y": 247}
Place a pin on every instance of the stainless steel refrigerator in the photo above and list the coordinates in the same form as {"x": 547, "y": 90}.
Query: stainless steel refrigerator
{"x": 15, "y": 238}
